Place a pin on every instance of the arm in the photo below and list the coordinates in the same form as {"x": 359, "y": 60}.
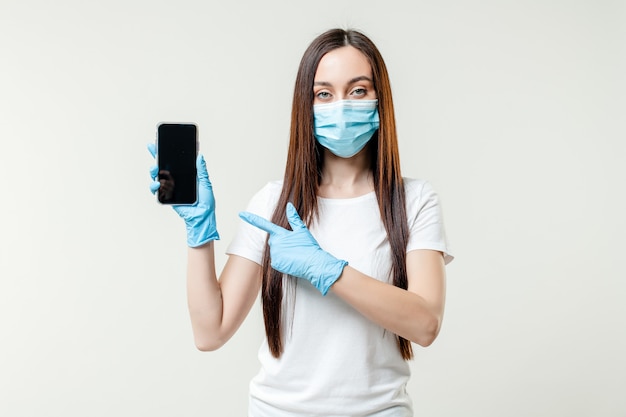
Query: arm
{"x": 416, "y": 313}
{"x": 218, "y": 307}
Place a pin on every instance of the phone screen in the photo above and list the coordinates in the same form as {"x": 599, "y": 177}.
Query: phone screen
{"x": 177, "y": 148}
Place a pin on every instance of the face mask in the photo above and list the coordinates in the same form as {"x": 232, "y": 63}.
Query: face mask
{"x": 344, "y": 127}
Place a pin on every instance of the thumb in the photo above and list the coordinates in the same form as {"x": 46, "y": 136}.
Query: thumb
{"x": 294, "y": 219}
{"x": 203, "y": 174}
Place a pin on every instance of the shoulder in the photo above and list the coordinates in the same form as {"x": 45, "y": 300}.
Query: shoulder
{"x": 417, "y": 188}
{"x": 425, "y": 218}
{"x": 420, "y": 197}
{"x": 271, "y": 190}
{"x": 265, "y": 199}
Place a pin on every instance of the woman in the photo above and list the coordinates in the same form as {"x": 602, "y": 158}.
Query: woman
{"x": 350, "y": 264}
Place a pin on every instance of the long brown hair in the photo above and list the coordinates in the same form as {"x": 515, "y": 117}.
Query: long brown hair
{"x": 304, "y": 167}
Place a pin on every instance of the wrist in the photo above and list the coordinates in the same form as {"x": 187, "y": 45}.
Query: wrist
{"x": 332, "y": 272}
{"x": 201, "y": 230}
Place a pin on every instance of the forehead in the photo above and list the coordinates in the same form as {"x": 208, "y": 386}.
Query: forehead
{"x": 346, "y": 62}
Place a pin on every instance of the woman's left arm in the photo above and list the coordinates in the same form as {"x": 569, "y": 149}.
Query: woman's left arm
{"x": 415, "y": 313}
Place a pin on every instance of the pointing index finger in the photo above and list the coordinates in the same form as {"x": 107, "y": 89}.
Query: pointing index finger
{"x": 260, "y": 222}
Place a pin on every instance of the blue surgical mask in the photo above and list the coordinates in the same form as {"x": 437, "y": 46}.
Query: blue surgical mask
{"x": 344, "y": 127}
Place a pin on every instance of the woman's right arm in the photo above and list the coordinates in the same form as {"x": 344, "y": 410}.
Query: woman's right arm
{"x": 218, "y": 307}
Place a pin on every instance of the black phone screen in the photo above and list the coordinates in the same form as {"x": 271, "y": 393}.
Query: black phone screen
{"x": 177, "y": 147}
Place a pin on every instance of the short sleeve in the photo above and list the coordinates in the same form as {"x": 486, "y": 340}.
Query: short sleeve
{"x": 249, "y": 241}
{"x": 425, "y": 219}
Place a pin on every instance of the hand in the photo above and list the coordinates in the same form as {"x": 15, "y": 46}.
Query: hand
{"x": 297, "y": 252}
{"x": 199, "y": 217}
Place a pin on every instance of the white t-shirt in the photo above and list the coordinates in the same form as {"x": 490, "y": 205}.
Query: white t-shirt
{"x": 335, "y": 361}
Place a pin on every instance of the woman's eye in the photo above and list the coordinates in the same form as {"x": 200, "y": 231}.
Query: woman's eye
{"x": 323, "y": 95}
{"x": 359, "y": 92}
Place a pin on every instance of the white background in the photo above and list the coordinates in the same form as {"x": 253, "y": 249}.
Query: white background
{"x": 514, "y": 110}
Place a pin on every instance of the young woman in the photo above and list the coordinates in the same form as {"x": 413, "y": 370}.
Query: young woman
{"x": 348, "y": 255}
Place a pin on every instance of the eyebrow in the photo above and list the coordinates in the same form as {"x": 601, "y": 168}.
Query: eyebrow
{"x": 352, "y": 81}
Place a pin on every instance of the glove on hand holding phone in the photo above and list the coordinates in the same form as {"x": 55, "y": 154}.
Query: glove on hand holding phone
{"x": 199, "y": 217}
{"x": 297, "y": 252}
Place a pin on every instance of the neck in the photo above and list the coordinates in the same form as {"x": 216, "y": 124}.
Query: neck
{"x": 346, "y": 177}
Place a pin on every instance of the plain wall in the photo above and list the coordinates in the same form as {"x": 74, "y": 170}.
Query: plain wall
{"x": 514, "y": 110}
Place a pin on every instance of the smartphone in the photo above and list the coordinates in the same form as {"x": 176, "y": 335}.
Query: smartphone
{"x": 177, "y": 149}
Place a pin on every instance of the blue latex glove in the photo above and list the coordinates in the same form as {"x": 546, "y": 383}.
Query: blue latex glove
{"x": 297, "y": 252}
{"x": 199, "y": 217}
